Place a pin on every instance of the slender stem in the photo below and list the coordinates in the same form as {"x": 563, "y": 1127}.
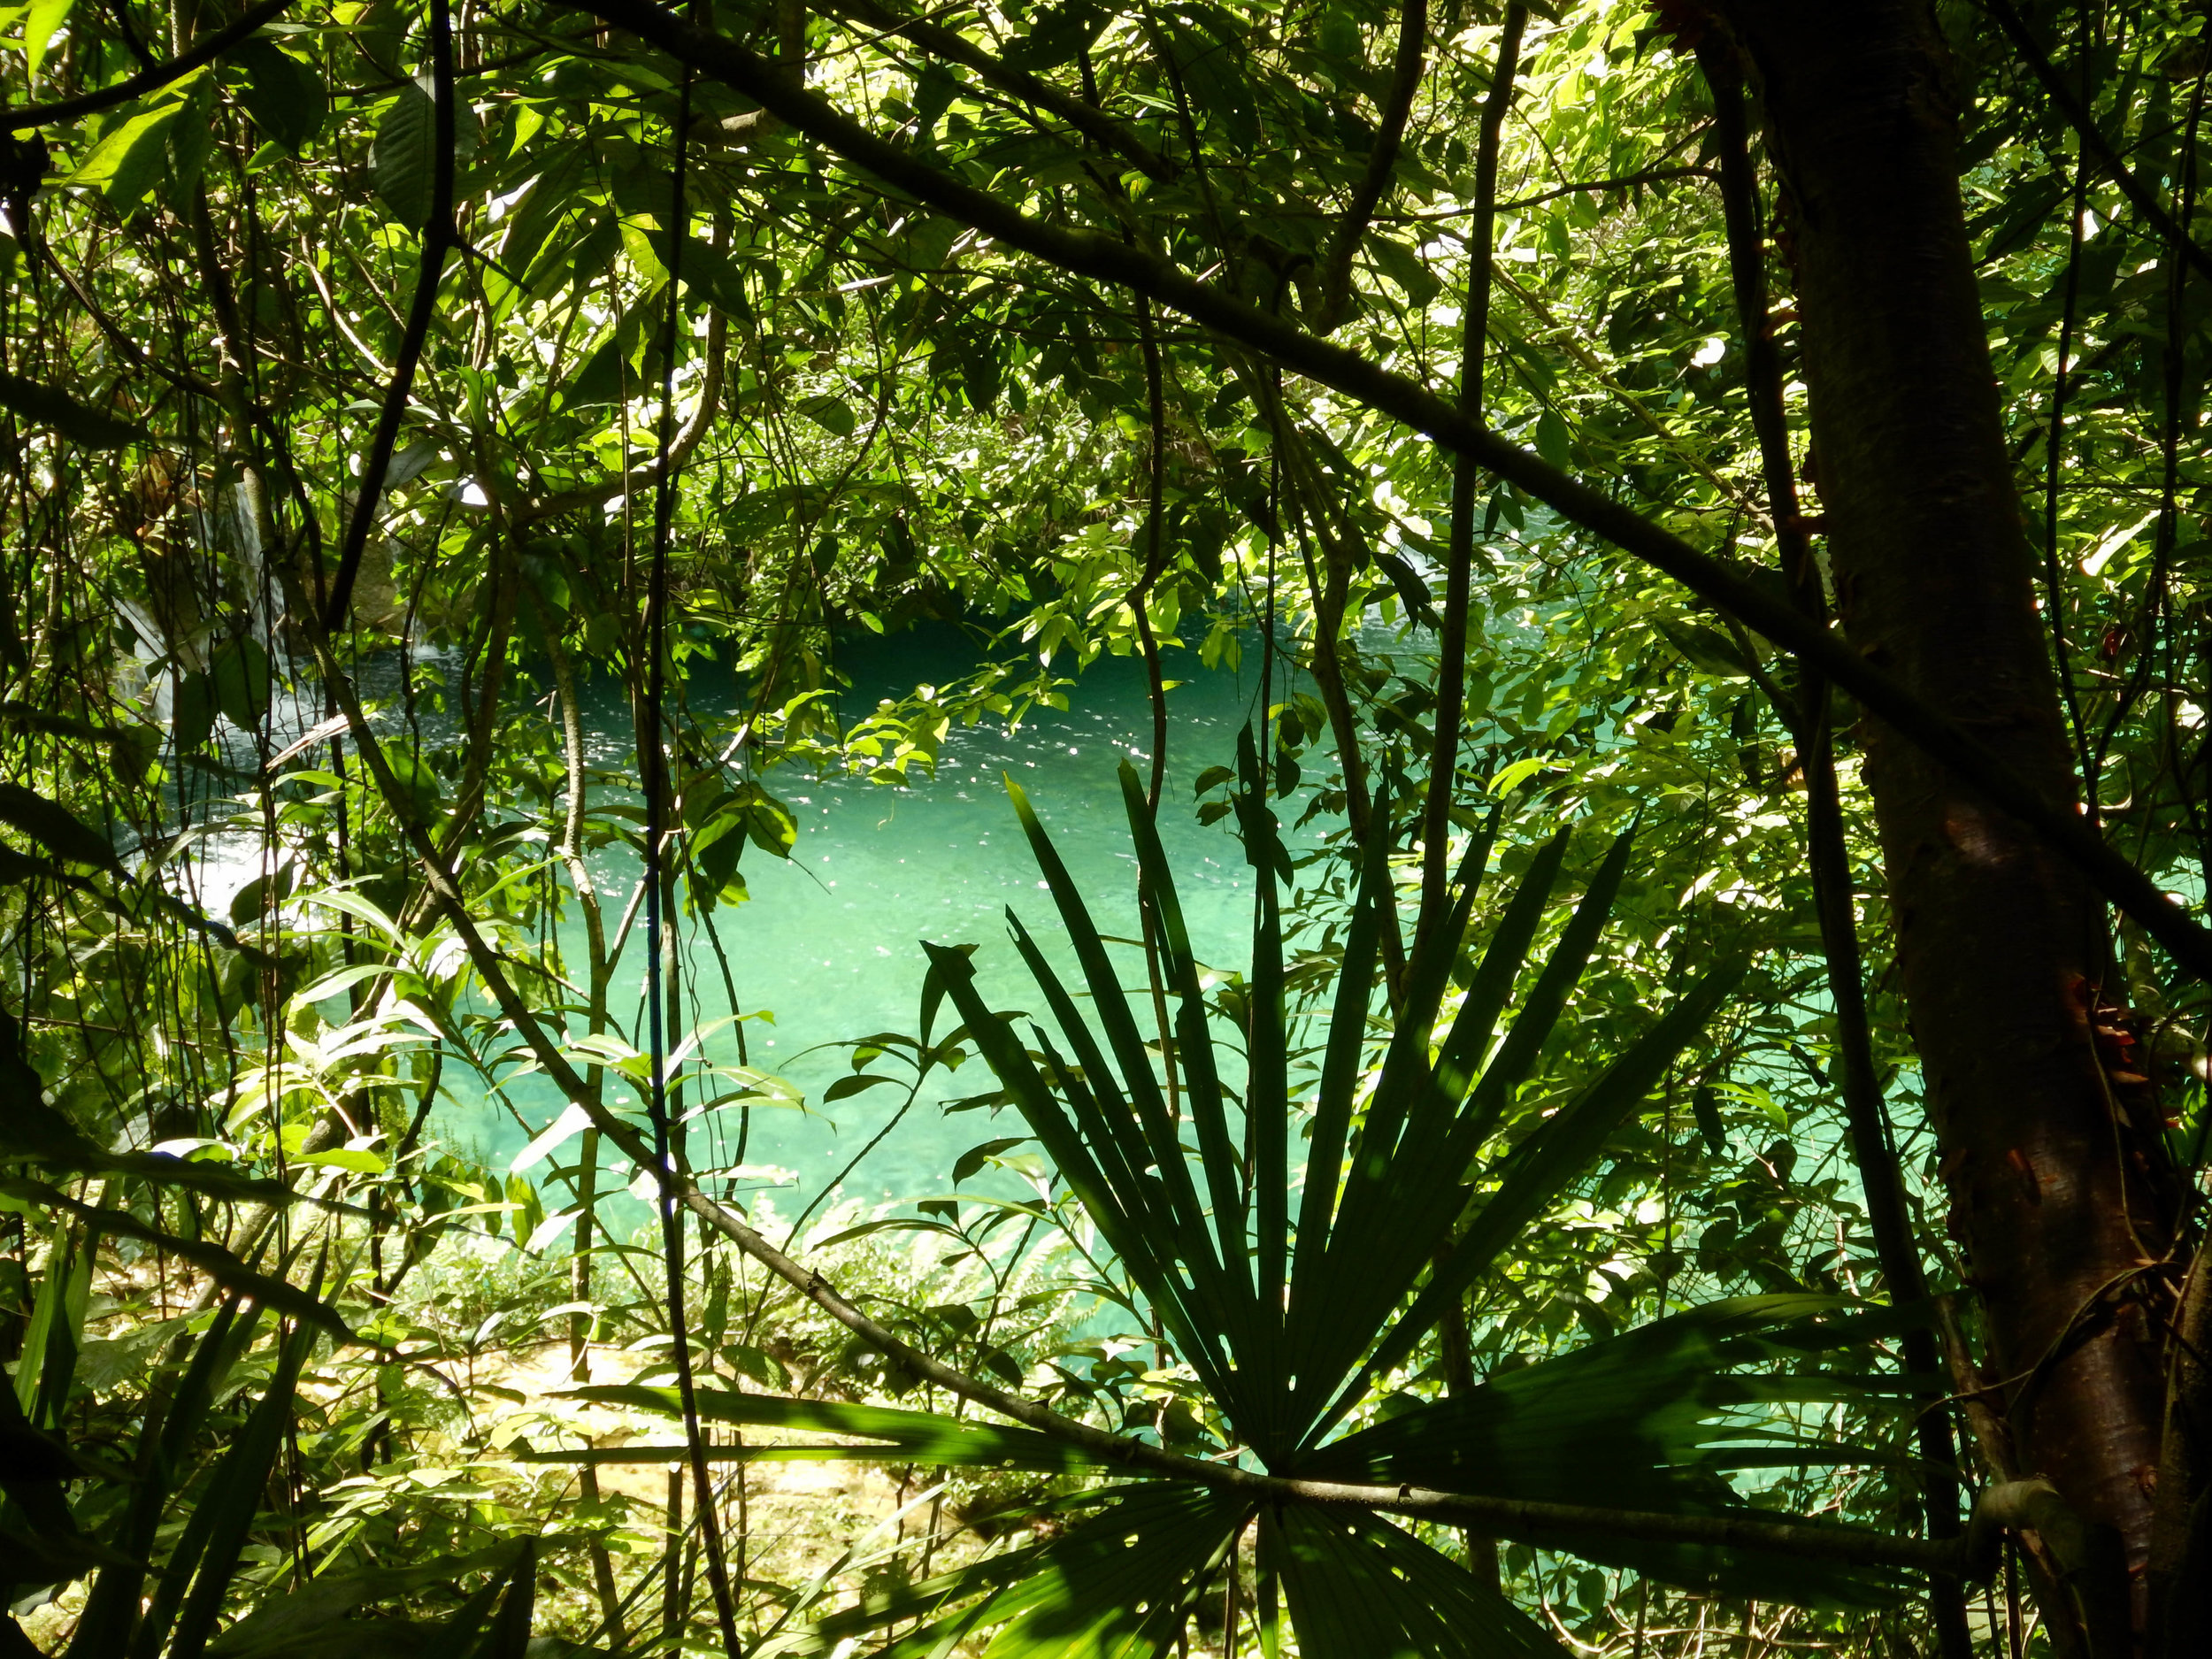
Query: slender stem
{"x": 1451, "y": 670}
{"x": 438, "y": 238}
{"x": 659, "y": 925}
{"x": 1406, "y": 64}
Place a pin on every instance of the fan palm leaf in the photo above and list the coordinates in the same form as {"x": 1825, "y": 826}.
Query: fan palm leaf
{"x": 1292, "y": 1325}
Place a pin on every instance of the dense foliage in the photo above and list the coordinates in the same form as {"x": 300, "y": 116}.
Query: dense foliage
{"x": 381, "y": 384}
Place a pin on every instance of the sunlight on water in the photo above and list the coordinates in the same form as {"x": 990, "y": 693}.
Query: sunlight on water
{"x": 828, "y": 948}
{"x": 829, "y": 942}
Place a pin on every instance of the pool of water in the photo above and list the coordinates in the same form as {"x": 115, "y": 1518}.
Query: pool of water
{"x": 828, "y": 948}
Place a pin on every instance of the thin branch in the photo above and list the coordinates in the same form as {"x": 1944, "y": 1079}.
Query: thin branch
{"x": 1451, "y": 670}
{"x": 438, "y": 238}
{"x": 1382, "y": 160}
{"x": 1017, "y": 83}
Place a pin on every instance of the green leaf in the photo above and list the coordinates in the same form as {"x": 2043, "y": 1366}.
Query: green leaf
{"x": 44, "y": 1543}
{"x": 1705, "y": 1107}
{"x": 241, "y": 681}
{"x": 913, "y": 1436}
{"x": 50, "y": 406}
{"x": 1122, "y": 1582}
{"x": 404, "y": 156}
{"x": 192, "y": 710}
{"x": 1706, "y": 648}
{"x": 1119, "y": 1585}
{"x": 508, "y": 1637}
{"x": 1553, "y": 441}
{"x": 1059, "y": 34}
{"x": 1650, "y": 1407}
{"x": 418, "y": 783}
{"x": 358, "y": 1162}
{"x": 831, "y": 414}
{"x": 1539, "y": 1170}
{"x": 286, "y": 97}
{"x": 606, "y": 376}
{"x": 111, "y": 1605}
{"x": 1360, "y": 1588}
{"x": 49, "y": 1357}
{"x": 305, "y": 1621}
{"x": 1407, "y": 269}
{"x": 714, "y": 277}
{"x": 38, "y": 25}
{"x": 769, "y": 824}
{"x": 215, "y": 1533}
{"x": 975, "y": 1157}
{"x": 129, "y": 157}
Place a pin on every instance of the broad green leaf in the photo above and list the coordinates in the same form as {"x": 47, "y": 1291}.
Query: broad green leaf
{"x": 834, "y": 415}
{"x": 1118, "y": 1585}
{"x": 1540, "y": 1170}
{"x": 509, "y": 1636}
{"x": 286, "y": 97}
{"x": 207, "y": 1553}
{"x": 242, "y": 681}
{"x": 1084, "y": 1151}
{"x": 1661, "y": 1408}
{"x": 1058, "y": 34}
{"x": 1553, "y": 441}
{"x": 305, "y": 1621}
{"x": 124, "y": 163}
{"x": 39, "y": 26}
{"x": 49, "y": 1357}
{"x": 55, "y": 827}
{"x": 1704, "y": 648}
{"x": 111, "y": 1605}
{"x": 404, "y": 157}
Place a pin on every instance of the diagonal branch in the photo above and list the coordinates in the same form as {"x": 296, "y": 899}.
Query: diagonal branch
{"x": 940, "y": 41}
{"x": 438, "y": 237}
{"x": 1382, "y": 160}
{"x": 151, "y": 79}
{"x": 1718, "y": 582}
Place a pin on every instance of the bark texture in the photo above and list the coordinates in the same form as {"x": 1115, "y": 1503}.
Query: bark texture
{"x": 2059, "y": 1204}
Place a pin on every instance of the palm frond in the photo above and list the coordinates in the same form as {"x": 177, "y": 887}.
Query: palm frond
{"x": 1360, "y": 1588}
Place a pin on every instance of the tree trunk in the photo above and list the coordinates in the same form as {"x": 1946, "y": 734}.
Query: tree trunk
{"x": 2059, "y": 1194}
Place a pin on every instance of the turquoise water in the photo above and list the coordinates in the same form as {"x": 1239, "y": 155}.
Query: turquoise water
{"x": 828, "y": 944}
